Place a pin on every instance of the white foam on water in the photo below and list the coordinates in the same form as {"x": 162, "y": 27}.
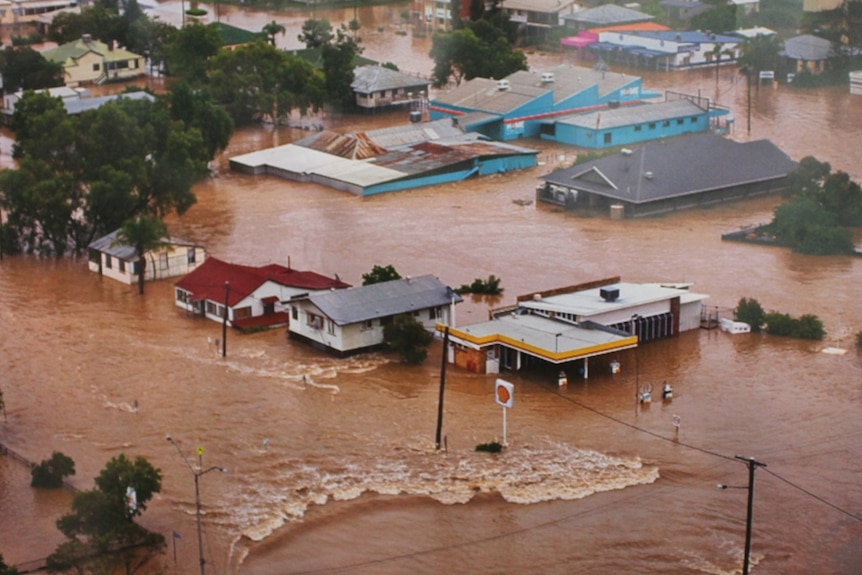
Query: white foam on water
{"x": 521, "y": 475}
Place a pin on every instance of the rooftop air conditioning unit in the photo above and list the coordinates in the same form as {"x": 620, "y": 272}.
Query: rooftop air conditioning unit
{"x": 547, "y": 77}
{"x": 503, "y": 85}
{"x": 626, "y": 152}
{"x": 609, "y": 294}
{"x": 648, "y": 175}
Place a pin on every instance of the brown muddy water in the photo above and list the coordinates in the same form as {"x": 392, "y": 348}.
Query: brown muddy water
{"x": 348, "y": 480}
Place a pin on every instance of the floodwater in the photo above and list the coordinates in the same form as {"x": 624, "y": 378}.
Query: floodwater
{"x": 331, "y": 462}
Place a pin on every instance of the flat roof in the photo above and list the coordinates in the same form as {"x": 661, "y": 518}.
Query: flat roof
{"x": 539, "y": 336}
{"x": 628, "y": 115}
{"x": 588, "y": 303}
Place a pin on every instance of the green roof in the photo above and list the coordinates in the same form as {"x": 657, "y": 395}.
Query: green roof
{"x": 76, "y": 49}
{"x": 232, "y": 36}
{"x": 315, "y": 57}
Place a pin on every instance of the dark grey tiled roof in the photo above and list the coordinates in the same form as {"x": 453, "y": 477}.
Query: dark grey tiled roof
{"x": 677, "y": 167}
{"x": 385, "y": 299}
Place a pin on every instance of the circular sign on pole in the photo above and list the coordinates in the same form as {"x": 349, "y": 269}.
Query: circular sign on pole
{"x": 504, "y": 393}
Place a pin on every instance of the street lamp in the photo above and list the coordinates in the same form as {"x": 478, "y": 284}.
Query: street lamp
{"x": 197, "y": 472}
{"x": 752, "y": 465}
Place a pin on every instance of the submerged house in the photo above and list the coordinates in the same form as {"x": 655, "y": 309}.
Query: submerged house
{"x": 387, "y": 160}
{"x": 519, "y": 104}
{"x": 254, "y": 296}
{"x": 670, "y": 175}
{"x": 377, "y": 87}
{"x": 112, "y": 258}
{"x": 352, "y": 320}
{"x": 574, "y": 326}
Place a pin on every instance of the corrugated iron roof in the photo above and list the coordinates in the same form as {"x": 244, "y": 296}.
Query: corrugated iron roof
{"x": 111, "y": 245}
{"x": 384, "y": 299}
{"x": 370, "y": 79}
{"x": 356, "y": 146}
{"x": 628, "y": 115}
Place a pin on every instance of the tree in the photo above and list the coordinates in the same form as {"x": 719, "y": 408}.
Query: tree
{"x": 51, "y": 472}
{"x": 25, "y": 68}
{"x": 272, "y": 29}
{"x": 338, "y": 63}
{"x": 83, "y": 176}
{"x": 5, "y": 569}
{"x": 720, "y": 18}
{"x": 145, "y": 234}
{"x": 197, "y": 109}
{"x": 316, "y": 33}
{"x": 101, "y": 534}
{"x": 258, "y": 82}
{"x": 760, "y": 53}
{"x": 750, "y": 312}
{"x": 406, "y": 336}
{"x": 190, "y": 48}
{"x": 479, "y": 50}
{"x": 380, "y": 274}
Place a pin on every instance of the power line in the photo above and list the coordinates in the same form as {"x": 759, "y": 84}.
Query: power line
{"x": 813, "y": 495}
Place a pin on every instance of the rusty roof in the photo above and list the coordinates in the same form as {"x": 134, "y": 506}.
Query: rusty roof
{"x": 356, "y": 146}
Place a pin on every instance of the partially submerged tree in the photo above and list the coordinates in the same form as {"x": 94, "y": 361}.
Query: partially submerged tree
{"x": 478, "y": 50}
{"x": 316, "y": 33}
{"x": 750, "y": 312}
{"x": 189, "y": 50}
{"x": 50, "y": 473}
{"x": 257, "y": 82}
{"x": 101, "y": 533}
{"x": 406, "y": 336}
{"x": 25, "y": 68}
{"x": 145, "y": 234}
{"x": 272, "y": 29}
{"x": 380, "y": 274}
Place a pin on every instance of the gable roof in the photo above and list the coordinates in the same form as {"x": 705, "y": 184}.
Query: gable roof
{"x": 75, "y": 50}
{"x": 677, "y": 167}
{"x": 608, "y": 14}
{"x": 807, "y": 47}
{"x": 385, "y": 299}
{"x": 370, "y": 79}
{"x": 110, "y": 245}
{"x": 207, "y": 281}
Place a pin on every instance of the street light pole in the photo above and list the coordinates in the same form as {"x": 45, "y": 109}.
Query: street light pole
{"x": 197, "y": 472}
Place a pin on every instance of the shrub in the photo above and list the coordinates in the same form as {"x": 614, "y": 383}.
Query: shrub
{"x": 805, "y": 327}
{"x": 51, "y": 472}
{"x": 859, "y": 338}
{"x": 490, "y": 286}
{"x": 492, "y": 447}
{"x": 750, "y": 312}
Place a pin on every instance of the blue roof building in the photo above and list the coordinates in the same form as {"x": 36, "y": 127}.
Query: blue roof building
{"x": 518, "y": 105}
{"x": 667, "y": 50}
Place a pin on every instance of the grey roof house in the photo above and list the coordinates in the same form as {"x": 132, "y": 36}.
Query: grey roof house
{"x": 669, "y": 175}
{"x": 807, "y": 53}
{"x": 110, "y": 257}
{"x": 605, "y": 15}
{"x": 350, "y": 321}
{"x": 379, "y": 87}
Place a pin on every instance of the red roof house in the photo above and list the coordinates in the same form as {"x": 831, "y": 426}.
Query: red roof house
{"x": 255, "y": 296}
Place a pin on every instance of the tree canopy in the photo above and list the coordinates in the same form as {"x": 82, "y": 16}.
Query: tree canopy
{"x": 189, "y": 49}
{"x": 258, "y": 82}
{"x": 51, "y": 472}
{"x": 80, "y": 177}
{"x": 823, "y": 206}
{"x": 144, "y": 233}
{"x": 316, "y": 33}
{"x": 380, "y": 274}
{"x": 476, "y": 50}
{"x": 406, "y": 336}
{"x": 25, "y": 68}
{"x": 101, "y": 533}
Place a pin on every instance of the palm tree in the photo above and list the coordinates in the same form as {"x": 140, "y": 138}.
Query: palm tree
{"x": 272, "y": 29}
{"x": 144, "y": 234}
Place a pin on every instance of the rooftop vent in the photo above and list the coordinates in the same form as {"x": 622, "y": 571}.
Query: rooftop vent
{"x": 502, "y": 85}
{"x": 626, "y": 152}
{"x": 537, "y": 297}
{"x": 547, "y": 77}
{"x": 648, "y": 175}
{"x": 609, "y": 294}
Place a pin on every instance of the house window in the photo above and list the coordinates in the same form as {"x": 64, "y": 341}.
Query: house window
{"x": 435, "y": 313}
{"x": 366, "y": 325}
{"x": 666, "y": 123}
{"x": 108, "y": 263}
{"x": 242, "y": 312}
{"x": 163, "y": 261}
{"x": 693, "y": 120}
{"x": 638, "y": 128}
{"x": 294, "y": 313}
{"x": 314, "y": 321}
{"x": 121, "y": 265}
{"x": 652, "y": 125}
{"x": 211, "y": 308}
{"x": 330, "y": 327}
{"x": 94, "y": 256}
{"x": 607, "y": 138}
{"x": 679, "y": 121}
{"x": 96, "y": 67}
{"x": 136, "y": 267}
{"x": 191, "y": 255}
